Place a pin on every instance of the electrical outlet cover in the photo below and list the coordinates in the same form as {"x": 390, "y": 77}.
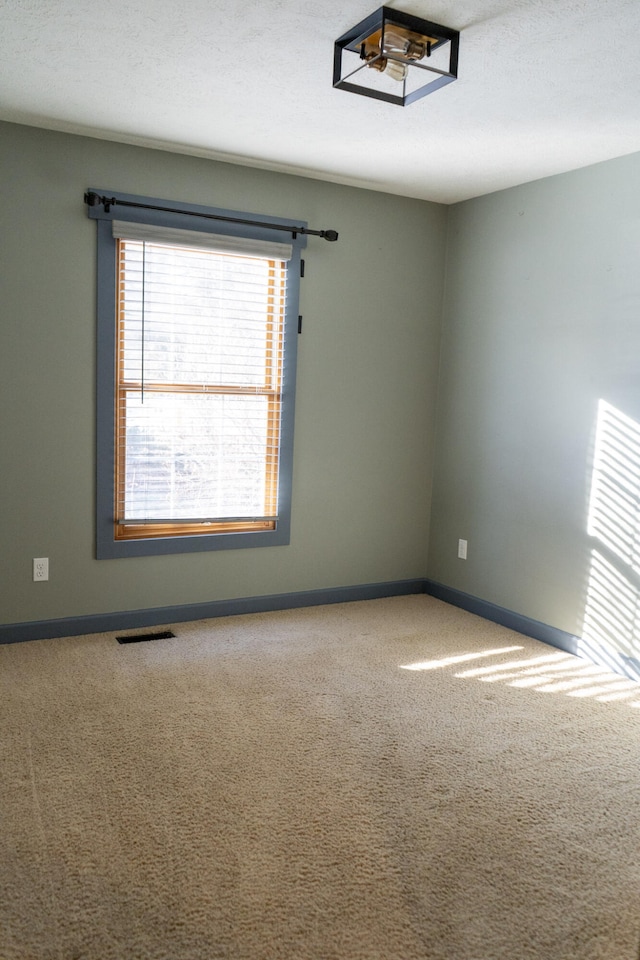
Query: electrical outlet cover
{"x": 40, "y": 568}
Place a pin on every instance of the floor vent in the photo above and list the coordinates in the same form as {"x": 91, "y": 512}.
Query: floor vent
{"x": 139, "y": 637}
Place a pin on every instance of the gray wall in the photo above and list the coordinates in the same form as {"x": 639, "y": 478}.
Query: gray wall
{"x": 366, "y": 382}
{"x": 541, "y": 323}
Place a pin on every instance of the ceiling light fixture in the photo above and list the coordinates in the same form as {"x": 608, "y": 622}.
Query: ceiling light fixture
{"x": 390, "y": 48}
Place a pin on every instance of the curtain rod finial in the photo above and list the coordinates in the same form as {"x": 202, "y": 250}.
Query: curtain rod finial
{"x": 92, "y": 199}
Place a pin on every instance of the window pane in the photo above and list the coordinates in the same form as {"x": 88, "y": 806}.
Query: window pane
{"x": 190, "y": 456}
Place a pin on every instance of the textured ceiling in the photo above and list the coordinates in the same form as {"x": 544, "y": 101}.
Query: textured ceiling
{"x": 544, "y": 86}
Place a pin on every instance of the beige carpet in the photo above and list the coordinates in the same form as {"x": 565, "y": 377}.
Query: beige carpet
{"x": 392, "y": 779}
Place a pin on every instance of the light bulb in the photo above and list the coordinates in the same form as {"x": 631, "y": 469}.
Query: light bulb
{"x": 397, "y": 43}
{"x": 395, "y": 70}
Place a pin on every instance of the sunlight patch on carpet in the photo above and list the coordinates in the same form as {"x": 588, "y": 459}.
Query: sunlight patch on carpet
{"x": 448, "y": 661}
{"x": 558, "y": 672}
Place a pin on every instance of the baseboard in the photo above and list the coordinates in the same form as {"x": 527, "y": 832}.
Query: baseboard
{"x": 626, "y": 666}
{"x": 131, "y": 619}
{"x": 506, "y": 618}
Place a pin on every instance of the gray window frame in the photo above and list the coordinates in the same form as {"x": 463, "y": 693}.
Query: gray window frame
{"x": 106, "y": 546}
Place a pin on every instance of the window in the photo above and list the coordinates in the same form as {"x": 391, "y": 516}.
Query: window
{"x": 197, "y": 331}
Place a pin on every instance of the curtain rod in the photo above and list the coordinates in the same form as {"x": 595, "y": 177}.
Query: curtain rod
{"x": 93, "y": 199}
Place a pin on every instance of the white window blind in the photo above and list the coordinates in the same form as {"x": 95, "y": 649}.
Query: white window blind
{"x": 173, "y": 236}
{"x": 199, "y": 380}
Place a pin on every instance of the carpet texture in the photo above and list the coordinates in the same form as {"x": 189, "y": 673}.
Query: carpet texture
{"x": 384, "y": 780}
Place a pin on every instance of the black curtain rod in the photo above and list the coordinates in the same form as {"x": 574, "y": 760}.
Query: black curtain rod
{"x": 93, "y": 199}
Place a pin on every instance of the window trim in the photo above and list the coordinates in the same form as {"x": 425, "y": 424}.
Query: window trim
{"x": 107, "y": 547}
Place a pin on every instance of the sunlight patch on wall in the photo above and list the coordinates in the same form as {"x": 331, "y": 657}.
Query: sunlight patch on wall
{"x": 611, "y": 626}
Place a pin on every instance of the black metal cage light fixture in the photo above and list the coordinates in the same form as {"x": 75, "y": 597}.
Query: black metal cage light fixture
{"x": 396, "y": 57}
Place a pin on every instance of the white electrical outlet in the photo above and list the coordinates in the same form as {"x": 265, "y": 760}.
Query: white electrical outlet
{"x": 462, "y": 549}
{"x": 41, "y": 568}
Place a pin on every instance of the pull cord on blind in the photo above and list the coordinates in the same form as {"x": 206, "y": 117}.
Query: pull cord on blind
{"x": 93, "y": 199}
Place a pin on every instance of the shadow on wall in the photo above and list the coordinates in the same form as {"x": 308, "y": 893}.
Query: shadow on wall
{"x": 611, "y": 625}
